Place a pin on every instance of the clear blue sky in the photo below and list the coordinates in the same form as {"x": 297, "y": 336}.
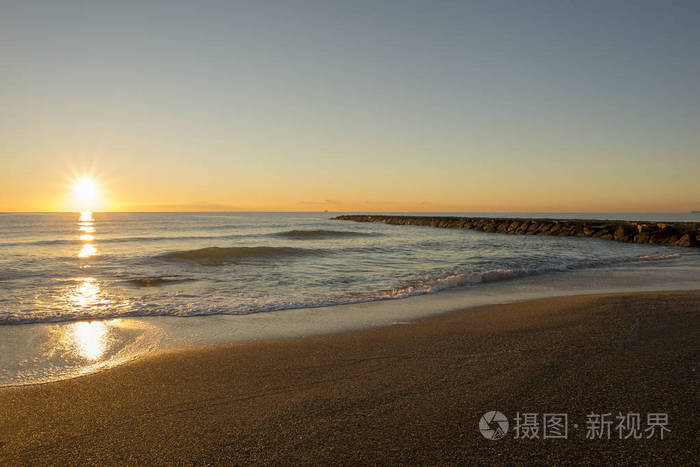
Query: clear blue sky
{"x": 381, "y": 105}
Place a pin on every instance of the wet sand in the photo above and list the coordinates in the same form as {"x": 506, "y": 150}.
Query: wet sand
{"x": 412, "y": 392}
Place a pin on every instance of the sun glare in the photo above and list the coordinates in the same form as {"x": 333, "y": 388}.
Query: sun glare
{"x": 86, "y": 194}
{"x": 89, "y": 339}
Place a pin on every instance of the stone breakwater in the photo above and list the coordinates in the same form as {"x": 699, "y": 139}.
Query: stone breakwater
{"x": 657, "y": 233}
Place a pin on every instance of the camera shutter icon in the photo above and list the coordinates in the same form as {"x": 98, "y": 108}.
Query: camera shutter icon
{"x": 493, "y": 425}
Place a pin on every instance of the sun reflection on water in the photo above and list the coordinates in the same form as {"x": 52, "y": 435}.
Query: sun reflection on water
{"x": 87, "y": 339}
{"x": 87, "y": 293}
{"x": 87, "y": 250}
{"x": 87, "y": 225}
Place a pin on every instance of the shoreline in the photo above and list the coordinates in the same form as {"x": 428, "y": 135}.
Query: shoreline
{"x": 402, "y": 393}
{"x": 271, "y": 340}
{"x": 24, "y": 360}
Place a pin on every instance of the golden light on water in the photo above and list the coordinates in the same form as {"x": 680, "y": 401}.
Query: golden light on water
{"x": 87, "y": 224}
{"x": 87, "y": 251}
{"x": 85, "y": 294}
{"x": 88, "y": 339}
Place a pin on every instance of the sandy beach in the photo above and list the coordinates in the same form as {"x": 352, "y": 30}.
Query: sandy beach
{"x": 349, "y": 233}
{"x": 408, "y": 393}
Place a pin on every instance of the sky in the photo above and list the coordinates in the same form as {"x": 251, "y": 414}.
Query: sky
{"x": 351, "y": 106}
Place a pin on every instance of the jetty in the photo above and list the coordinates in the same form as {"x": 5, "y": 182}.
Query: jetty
{"x": 686, "y": 234}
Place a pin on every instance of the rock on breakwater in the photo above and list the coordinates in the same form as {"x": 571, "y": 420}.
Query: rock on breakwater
{"x": 657, "y": 233}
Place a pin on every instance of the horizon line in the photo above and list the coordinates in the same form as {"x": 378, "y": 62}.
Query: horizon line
{"x": 350, "y": 211}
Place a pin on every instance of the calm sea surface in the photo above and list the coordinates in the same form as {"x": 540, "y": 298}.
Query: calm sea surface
{"x": 67, "y": 267}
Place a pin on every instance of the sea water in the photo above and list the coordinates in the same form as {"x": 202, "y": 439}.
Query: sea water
{"x": 84, "y": 291}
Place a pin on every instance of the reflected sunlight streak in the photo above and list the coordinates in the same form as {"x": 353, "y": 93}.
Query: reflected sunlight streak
{"x": 87, "y": 293}
{"x": 88, "y": 339}
{"x": 86, "y": 224}
{"x": 87, "y": 251}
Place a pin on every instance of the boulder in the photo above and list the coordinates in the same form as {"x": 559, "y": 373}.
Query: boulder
{"x": 641, "y": 237}
{"x": 532, "y": 227}
{"x": 603, "y": 233}
{"x": 523, "y": 227}
{"x": 489, "y": 227}
{"x": 621, "y": 234}
{"x": 544, "y": 228}
{"x": 684, "y": 241}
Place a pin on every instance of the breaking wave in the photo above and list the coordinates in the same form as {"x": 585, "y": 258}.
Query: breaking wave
{"x": 431, "y": 282}
{"x": 449, "y": 281}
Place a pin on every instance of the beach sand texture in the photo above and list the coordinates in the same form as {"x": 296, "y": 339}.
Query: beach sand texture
{"x": 408, "y": 393}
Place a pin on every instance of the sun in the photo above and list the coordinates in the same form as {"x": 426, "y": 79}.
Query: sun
{"x": 86, "y": 193}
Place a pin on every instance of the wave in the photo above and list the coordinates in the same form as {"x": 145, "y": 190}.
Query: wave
{"x": 657, "y": 257}
{"x": 292, "y": 234}
{"x": 155, "y": 281}
{"x": 449, "y": 281}
{"x": 320, "y": 234}
{"x": 215, "y": 256}
{"x": 42, "y": 243}
{"x": 200, "y": 306}
{"x": 126, "y": 240}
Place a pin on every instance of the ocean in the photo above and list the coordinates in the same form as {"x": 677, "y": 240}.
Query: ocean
{"x": 84, "y": 274}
